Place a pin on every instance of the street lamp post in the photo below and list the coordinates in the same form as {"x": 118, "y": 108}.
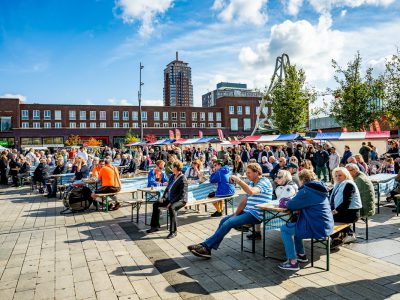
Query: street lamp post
{"x": 140, "y": 101}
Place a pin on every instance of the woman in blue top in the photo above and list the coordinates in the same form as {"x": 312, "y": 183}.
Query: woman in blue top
{"x": 315, "y": 219}
{"x": 157, "y": 177}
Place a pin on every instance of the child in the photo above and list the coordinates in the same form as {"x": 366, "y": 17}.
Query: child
{"x": 389, "y": 165}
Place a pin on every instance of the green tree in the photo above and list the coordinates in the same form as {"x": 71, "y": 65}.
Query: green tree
{"x": 392, "y": 88}
{"x": 290, "y": 101}
{"x": 358, "y": 98}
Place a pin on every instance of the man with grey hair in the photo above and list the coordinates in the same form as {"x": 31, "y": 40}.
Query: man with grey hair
{"x": 366, "y": 188}
{"x": 352, "y": 160}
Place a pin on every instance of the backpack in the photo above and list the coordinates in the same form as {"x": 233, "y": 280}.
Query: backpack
{"x": 77, "y": 198}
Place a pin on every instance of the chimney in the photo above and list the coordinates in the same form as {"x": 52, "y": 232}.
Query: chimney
{"x": 177, "y": 55}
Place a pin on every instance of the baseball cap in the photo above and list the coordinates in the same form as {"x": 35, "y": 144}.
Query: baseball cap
{"x": 292, "y": 165}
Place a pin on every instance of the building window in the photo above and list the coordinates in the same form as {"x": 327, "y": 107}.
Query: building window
{"x": 125, "y": 115}
{"x": 72, "y": 125}
{"x": 116, "y": 115}
{"x": 92, "y": 115}
{"x": 72, "y": 115}
{"x": 183, "y": 116}
{"x": 47, "y": 125}
{"x": 47, "y": 115}
{"x": 93, "y": 125}
{"x": 194, "y": 125}
{"x": 103, "y": 116}
{"x": 25, "y": 124}
{"x": 24, "y": 114}
{"x": 202, "y": 116}
{"x": 231, "y": 109}
{"x": 218, "y": 125}
{"x": 202, "y": 125}
{"x": 144, "y": 125}
{"x": 125, "y": 125}
{"x": 135, "y": 116}
{"x": 246, "y": 124}
{"x": 157, "y": 125}
{"x": 57, "y": 115}
{"x": 36, "y": 125}
{"x": 194, "y": 116}
{"x": 183, "y": 125}
{"x": 210, "y": 116}
{"x": 135, "y": 125}
{"x": 36, "y": 114}
{"x": 82, "y": 115}
{"x": 6, "y": 123}
{"x": 144, "y": 115}
{"x": 116, "y": 124}
{"x": 103, "y": 124}
{"x": 247, "y": 110}
{"x": 217, "y": 116}
{"x": 174, "y": 125}
{"x": 239, "y": 110}
{"x": 211, "y": 125}
{"x": 165, "y": 125}
{"x": 82, "y": 125}
{"x": 234, "y": 124}
{"x": 156, "y": 116}
{"x": 57, "y": 125}
{"x": 174, "y": 116}
{"x": 165, "y": 116}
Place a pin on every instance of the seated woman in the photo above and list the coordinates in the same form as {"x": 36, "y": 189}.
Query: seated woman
{"x": 315, "y": 219}
{"x": 156, "y": 177}
{"x": 220, "y": 176}
{"x": 174, "y": 198}
{"x": 258, "y": 192}
{"x": 345, "y": 203}
{"x": 238, "y": 166}
{"x": 285, "y": 188}
{"x": 193, "y": 172}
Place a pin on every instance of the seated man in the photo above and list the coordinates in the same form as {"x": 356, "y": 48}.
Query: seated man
{"x": 82, "y": 169}
{"x": 258, "y": 192}
{"x": 131, "y": 165}
{"x": 52, "y": 183}
{"x": 110, "y": 183}
{"x": 220, "y": 176}
{"x": 280, "y": 166}
{"x": 23, "y": 172}
{"x": 144, "y": 165}
{"x": 41, "y": 173}
{"x": 157, "y": 177}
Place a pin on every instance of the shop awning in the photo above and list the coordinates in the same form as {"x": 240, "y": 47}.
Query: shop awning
{"x": 327, "y": 136}
{"x": 136, "y": 143}
{"x": 250, "y": 139}
{"x": 378, "y": 135}
{"x": 353, "y": 136}
{"x": 180, "y": 141}
{"x": 290, "y": 137}
{"x": 208, "y": 140}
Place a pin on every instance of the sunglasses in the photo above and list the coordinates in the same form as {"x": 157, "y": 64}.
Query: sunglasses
{"x": 279, "y": 177}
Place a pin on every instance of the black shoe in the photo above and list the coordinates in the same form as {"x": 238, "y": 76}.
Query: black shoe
{"x": 152, "y": 229}
{"x": 201, "y": 251}
{"x": 302, "y": 258}
{"x": 216, "y": 214}
{"x": 244, "y": 228}
{"x": 171, "y": 235}
{"x": 254, "y": 236}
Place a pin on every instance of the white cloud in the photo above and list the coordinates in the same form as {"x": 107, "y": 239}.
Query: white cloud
{"x": 144, "y": 11}
{"x": 121, "y": 102}
{"x": 152, "y": 102}
{"x": 323, "y": 6}
{"x": 292, "y": 7}
{"x": 241, "y": 11}
{"x": 18, "y": 96}
{"x": 343, "y": 13}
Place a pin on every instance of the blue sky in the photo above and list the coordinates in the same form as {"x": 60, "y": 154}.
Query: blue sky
{"x": 88, "y": 51}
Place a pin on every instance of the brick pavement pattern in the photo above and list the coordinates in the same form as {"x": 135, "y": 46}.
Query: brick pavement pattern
{"x": 97, "y": 255}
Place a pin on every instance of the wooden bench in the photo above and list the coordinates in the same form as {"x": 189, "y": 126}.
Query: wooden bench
{"x": 327, "y": 242}
{"x": 105, "y": 196}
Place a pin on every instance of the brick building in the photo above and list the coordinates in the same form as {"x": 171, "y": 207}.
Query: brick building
{"x": 49, "y": 125}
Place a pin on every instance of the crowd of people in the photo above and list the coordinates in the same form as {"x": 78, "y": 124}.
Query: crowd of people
{"x": 318, "y": 185}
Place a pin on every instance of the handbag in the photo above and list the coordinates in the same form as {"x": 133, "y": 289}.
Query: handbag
{"x": 283, "y": 202}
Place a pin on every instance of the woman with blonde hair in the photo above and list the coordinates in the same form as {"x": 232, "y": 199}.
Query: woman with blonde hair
{"x": 345, "y": 202}
{"x": 307, "y": 164}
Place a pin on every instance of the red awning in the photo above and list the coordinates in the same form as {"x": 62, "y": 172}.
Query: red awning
{"x": 180, "y": 141}
{"x": 378, "y": 135}
{"x": 250, "y": 139}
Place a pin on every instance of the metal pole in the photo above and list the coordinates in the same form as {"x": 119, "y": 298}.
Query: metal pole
{"x": 140, "y": 101}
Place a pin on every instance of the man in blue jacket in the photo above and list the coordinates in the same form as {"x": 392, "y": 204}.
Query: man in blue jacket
{"x": 157, "y": 177}
{"x": 315, "y": 219}
{"x": 224, "y": 187}
{"x": 347, "y": 153}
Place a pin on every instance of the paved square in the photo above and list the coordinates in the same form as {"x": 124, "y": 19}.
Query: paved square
{"x": 97, "y": 255}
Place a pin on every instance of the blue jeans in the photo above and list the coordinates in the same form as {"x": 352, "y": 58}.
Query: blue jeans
{"x": 292, "y": 244}
{"x": 226, "y": 224}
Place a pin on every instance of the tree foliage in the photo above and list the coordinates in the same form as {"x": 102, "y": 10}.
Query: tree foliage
{"x": 130, "y": 137}
{"x": 290, "y": 101}
{"x": 392, "y": 88}
{"x": 358, "y": 98}
{"x": 73, "y": 140}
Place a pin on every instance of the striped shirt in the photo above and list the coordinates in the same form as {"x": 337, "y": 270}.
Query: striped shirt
{"x": 265, "y": 196}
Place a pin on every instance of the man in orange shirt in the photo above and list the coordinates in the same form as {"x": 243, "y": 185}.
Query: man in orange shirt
{"x": 110, "y": 183}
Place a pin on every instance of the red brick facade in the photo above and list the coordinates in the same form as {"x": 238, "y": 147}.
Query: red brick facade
{"x": 31, "y": 120}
